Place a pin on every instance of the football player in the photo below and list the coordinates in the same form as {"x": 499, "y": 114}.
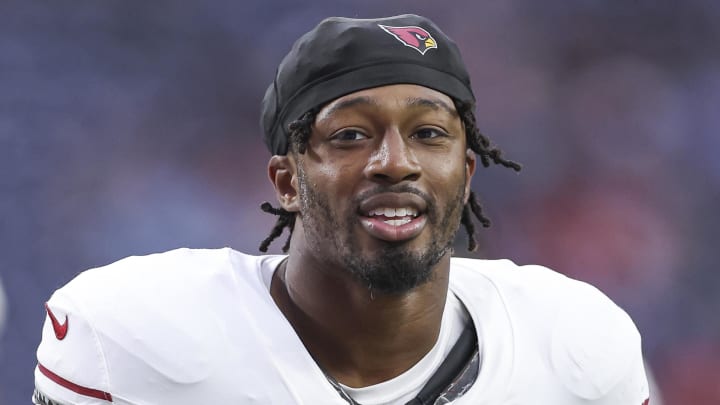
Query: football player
{"x": 371, "y": 127}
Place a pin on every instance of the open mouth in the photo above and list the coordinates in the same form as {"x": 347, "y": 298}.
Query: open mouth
{"x": 393, "y": 224}
{"x": 393, "y": 217}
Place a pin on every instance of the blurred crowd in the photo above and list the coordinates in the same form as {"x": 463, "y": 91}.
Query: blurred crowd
{"x": 132, "y": 127}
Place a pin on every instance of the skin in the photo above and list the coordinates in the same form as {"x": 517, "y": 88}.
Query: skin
{"x": 390, "y": 139}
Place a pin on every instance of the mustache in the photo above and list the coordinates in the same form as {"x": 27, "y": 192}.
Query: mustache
{"x": 397, "y": 188}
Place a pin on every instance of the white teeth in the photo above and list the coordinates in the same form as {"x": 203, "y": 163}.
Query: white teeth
{"x": 394, "y": 212}
{"x": 397, "y": 222}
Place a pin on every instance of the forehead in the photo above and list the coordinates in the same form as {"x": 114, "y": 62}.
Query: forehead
{"x": 396, "y": 95}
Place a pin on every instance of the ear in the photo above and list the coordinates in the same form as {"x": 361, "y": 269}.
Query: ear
{"x": 470, "y": 163}
{"x": 282, "y": 170}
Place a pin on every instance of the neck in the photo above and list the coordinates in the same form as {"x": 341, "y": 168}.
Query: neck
{"x": 358, "y": 336}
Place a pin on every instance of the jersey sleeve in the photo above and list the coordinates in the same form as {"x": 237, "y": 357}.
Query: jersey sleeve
{"x": 596, "y": 350}
{"x": 71, "y": 367}
{"x": 632, "y": 389}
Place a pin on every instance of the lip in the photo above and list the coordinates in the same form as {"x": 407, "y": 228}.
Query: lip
{"x": 377, "y": 228}
{"x": 393, "y": 200}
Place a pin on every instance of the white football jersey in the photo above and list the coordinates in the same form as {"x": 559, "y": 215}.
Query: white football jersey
{"x": 200, "y": 327}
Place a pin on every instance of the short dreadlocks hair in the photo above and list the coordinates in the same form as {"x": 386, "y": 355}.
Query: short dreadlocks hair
{"x": 299, "y": 133}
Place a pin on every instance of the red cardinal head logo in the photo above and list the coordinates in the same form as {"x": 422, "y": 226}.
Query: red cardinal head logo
{"x": 414, "y": 37}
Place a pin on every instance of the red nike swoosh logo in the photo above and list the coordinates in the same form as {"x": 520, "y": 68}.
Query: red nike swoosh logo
{"x": 60, "y": 329}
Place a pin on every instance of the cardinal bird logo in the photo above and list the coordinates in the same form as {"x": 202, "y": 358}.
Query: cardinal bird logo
{"x": 414, "y": 37}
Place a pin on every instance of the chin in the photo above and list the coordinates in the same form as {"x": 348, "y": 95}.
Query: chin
{"x": 395, "y": 268}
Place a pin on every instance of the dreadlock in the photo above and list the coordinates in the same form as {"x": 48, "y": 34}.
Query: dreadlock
{"x": 299, "y": 133}
{"x": 480, "y": 144}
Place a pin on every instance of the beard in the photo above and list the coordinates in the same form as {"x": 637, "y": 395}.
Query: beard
{"x": 393, "y": 268}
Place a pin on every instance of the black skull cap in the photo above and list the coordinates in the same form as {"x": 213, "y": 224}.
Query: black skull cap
{"x": 344, "y": 55}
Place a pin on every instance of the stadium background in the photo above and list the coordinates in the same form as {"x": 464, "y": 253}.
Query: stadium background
{"x": 132, "y": 127}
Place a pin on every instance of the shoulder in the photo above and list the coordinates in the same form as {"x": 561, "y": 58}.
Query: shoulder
{"x": 533, "y": 287}
{"x": 592, "y": 346}
{"x": 161, "y": 276}
{"x": 143, "y": 289}
{"x": 154, "y": 267}
{"x": 159, "y": 315}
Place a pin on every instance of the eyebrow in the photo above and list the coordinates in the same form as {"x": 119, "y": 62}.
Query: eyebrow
{"x": 350, "y": 102}
{"x": 432, "y": 103}
{"x": 410, "y": 102}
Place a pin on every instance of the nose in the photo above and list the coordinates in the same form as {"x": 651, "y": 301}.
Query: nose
{"x": 393, "y": 161}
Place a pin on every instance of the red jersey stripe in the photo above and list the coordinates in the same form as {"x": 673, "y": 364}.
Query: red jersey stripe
{"x": 88, "y": 392}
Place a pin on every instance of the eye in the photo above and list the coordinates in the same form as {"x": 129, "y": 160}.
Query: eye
{"x": 429, "y": 133}
{"x": 348, "y": 135}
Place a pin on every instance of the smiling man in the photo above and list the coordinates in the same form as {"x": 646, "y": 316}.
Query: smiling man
{"x": 374, "y": 143}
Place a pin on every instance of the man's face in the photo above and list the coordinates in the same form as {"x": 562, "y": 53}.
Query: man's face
{"x": 383, "y": 183}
